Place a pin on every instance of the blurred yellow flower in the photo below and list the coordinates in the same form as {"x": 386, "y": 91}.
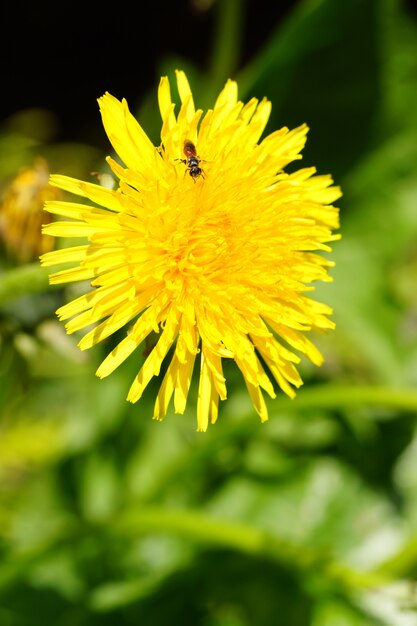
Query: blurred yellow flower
{"x": 22, "y": 215}
{"x": 207, "y": 242}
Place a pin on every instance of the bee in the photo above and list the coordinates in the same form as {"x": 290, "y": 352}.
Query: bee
{"x": 192, "y": 161}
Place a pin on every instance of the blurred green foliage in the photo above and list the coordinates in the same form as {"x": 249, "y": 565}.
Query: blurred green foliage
{"x": 109, "y": 518}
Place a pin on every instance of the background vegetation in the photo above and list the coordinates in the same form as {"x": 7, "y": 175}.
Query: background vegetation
{"x": 107, "y": 517}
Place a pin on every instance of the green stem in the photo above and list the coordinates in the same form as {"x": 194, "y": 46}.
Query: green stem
{"x": 330, "y": 396}
{"x": 21, "y": 281}
{"x": 293, "y": 35}
{"x": 226, "y": 45}
{"x": 194, "y": 526}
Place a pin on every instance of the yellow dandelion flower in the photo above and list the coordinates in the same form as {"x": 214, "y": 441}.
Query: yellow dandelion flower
{"x": 206, "y": 242}
{"x": 21, "y": 213}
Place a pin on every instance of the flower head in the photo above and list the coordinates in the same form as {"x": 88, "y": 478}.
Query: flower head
{"x": 206, "y": 242}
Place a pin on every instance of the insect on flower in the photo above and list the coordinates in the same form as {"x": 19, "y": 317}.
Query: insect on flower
{"x": 192, "y": 161}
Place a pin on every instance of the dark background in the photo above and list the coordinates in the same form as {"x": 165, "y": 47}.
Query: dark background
{"x": 62, "y": 56}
